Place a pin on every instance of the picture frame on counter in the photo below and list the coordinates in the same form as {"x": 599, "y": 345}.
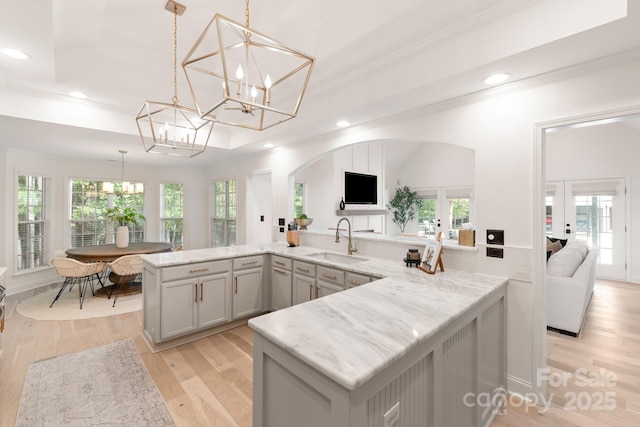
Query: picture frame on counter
{"x": 432, "y": 258}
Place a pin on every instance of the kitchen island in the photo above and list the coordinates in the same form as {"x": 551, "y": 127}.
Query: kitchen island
{"x": 417, "y": 348}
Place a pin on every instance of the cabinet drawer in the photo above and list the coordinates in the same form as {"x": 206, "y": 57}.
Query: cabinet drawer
{"x": 304, "y": 268}
{"x": 248, "y": 262}
{"x": 282, "y": 262}
{"x": 195, "y": 270}
{"x": 354, "y": 279}
{"x": 330, "y": 275}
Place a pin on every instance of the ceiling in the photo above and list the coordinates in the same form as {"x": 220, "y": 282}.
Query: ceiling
{"x": 374, "y": 60}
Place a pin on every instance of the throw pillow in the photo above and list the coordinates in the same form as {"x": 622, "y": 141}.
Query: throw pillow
{"x": 554, "y": 247}
{"x": 563, "y": 242}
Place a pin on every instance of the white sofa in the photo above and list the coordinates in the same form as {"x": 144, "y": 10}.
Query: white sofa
{"x": 571, "y": 274}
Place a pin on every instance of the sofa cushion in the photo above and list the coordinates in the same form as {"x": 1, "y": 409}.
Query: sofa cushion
{"x": 580, "y": 245}
{"x": 565, "y": 262}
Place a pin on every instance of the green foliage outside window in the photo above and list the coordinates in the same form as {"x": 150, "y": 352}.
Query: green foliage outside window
{"x": 298, "y": 199}
{"x": 172, "y": 214}
{"x": 88, "y": 216}
{"x": 32, "y": 223}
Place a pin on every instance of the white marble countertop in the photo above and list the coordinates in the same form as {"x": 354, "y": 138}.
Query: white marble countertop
{"x": 351, "y": 336}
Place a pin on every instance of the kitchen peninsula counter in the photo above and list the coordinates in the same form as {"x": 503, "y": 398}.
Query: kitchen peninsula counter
{"x": 344, "y": 359}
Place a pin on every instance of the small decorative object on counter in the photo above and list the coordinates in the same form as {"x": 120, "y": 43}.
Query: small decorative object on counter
{"x": 413, "y": 258}
{"x": 342, "y": 203}
{"x": 303, "y": 220}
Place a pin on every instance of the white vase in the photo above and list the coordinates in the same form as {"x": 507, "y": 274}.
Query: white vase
{"x": 122, "y": 236}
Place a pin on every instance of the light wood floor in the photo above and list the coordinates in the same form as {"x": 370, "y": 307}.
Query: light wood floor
{"x": 209, "y": 382}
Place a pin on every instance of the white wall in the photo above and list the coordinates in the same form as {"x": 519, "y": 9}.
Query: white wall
{"x": 604, "y": 151}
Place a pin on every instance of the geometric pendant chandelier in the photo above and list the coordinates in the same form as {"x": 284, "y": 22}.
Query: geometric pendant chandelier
{"x": 241, "y": 77}
{"x": 170, "y": 128}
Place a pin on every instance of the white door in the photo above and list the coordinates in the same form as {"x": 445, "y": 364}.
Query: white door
{"x": 593, "y": 211}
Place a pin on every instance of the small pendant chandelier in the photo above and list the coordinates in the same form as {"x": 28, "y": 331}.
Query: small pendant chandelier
{"x": 240, "y": 77}
{"x": 170, "y": 128}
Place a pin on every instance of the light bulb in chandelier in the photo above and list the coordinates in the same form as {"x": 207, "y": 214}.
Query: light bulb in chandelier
{"x": 267, "y": 89}
{"x": 239, "y": 77}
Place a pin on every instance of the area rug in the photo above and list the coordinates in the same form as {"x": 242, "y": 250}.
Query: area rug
{"x": 105, "y": 386}
{"x": 68, "y": 307}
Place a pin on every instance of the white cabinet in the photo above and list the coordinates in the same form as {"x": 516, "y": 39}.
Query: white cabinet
{"x": 281, "y": 280}
{"x": 193, "y": 297}
{"x": 247, "y": 286}
{"x": 329, "y": 281}
{"x": 323, "y": 289}
{"x": 355, "y": 279}
{"x": 304, "y": 282}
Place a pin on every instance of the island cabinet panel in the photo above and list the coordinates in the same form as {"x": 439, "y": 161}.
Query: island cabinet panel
{"x": 435, "y": 383}
{"x": 189, "y": 305}
{"x": 180, "y": 300}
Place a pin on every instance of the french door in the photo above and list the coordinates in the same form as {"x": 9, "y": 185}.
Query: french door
{"x": 593, "y": 211}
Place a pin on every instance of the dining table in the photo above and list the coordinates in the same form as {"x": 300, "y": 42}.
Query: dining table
{"x": 110, "y": 252}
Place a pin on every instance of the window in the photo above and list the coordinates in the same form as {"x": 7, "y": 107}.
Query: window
{"x": 298, "y": 199}
{"x": 171, "y": 214}
{"x": 427, "y": 214}
{"x": 87, "y": 222}
{"x": 223, "y": 221}
{"x": 32, "y": 222}
{"x": 458, "y": 209}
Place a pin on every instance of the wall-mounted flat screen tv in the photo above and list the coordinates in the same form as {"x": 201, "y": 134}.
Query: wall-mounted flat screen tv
{"x": 360, "y": 189}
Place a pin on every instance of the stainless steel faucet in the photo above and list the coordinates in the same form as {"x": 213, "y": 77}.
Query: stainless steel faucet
{"x": 351, "y": 248}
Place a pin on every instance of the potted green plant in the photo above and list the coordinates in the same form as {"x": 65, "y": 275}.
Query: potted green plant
{"x": 404, "y": 206}
{"x": 123, "y": 217}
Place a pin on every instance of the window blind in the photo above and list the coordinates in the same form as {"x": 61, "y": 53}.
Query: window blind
{"x": 595, "y": 188}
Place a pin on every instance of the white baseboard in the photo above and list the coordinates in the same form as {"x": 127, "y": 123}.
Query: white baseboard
{"x": 518, "y": 387}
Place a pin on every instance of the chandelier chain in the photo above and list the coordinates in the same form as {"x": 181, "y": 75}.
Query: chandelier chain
{"x": 175, "y": 54}
{"x": 246, "y": 12}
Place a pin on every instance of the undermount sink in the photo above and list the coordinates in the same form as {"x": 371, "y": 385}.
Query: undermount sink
{"x": 338, "y": 258}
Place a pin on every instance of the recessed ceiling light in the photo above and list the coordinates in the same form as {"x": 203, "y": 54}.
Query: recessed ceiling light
{"x": 494, "y": 79}
{"x": 77, "y": 94}
{"x": 268, "y": 145}
{"x": 343, "y": 123}
{"x": 14, "y": 53}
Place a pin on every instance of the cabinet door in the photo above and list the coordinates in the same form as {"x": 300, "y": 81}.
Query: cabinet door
{"x": 325, "y": 289}
{"x": 280, "y": 288}
{"x": 214, "y": 300}
{"x": 247, "y": 292}
{"x": 354, "y": 279}
{"x": 303, "y": 289}
{"x": 178, "y": 308}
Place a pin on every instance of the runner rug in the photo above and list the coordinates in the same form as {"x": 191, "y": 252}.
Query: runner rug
{"x": 106, "y": 386}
